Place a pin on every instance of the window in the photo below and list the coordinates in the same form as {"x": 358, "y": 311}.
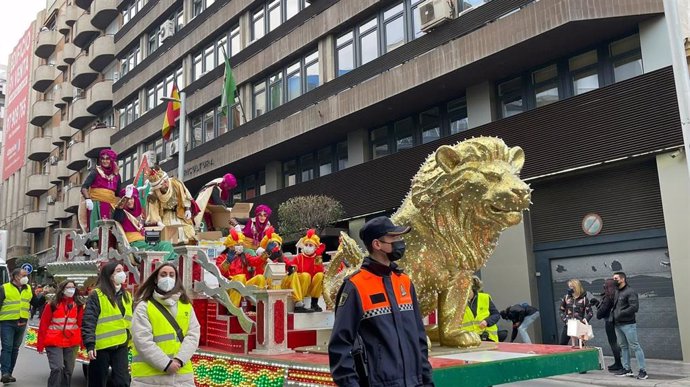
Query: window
{"x": 235, "y": 41}
{"x": 457, "y": 115}
{"x": 510, "y": 95}
{"x": 209, "y": 127}
{"x": 545, "y": 83}
{"x": 626, "y": 58}
{"x": 379, "y": 142}
{"x": 162, "y": 88}
{"x": 273, "y": 14}
{"x": 258, "y": 24}
{"x": 368, "y": 41}
{"x": 464, "y": 5}
{"x": 404, "y": 134}
{"x": 311, "y": 66}
{"x": 289, "y": 173}
{"x": 275, "y": 90}
{"x": 429, "y": 122}
{"x": 583, "y": 70}
{"x": 345, "y": 53}
{"x": 259, "y": 99}
{"x": 294, "y": 81}
{"x": 341, "y": 154}
{"x": 129, "y": 113}
{"x": 325, "y": 158}
{"x": 306, "y": 165}
{"x": 315, "y": 164}
{"x": 153, "y": 40}
{"x": 130, "y": 60}
{"x": 130, "y": 10}
{"x": 394, "y": 27}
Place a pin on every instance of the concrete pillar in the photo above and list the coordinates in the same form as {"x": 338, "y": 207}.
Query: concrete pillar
{"x": 357, "y": 147}
{"x": 480, "y": 104}
{"x": 509, "y": 275}
{"x": 274, "y": 176}
{"x": 654, "y": 44}
{"x": 327, "y": 58}
{"x": 353, "y": 228}
{"x": 675, "y": 190}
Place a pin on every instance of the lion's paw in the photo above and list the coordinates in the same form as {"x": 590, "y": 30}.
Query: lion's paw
{"x": 461, "y": 339}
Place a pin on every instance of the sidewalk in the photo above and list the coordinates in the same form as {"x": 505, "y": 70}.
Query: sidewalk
{"x": 662, "y": 373}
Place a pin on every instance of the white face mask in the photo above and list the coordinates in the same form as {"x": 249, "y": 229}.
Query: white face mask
{"x": 69, "y": 292}
{"x": 119, "y": 278}
{"x": 166, "y": 284}
{"x": 309, "y": 250}
{"x": 24, "y": 280}
{"x": 239, "y": 249}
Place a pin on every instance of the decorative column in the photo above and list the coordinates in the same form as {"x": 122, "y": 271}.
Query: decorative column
{"x": 271, "y": 322}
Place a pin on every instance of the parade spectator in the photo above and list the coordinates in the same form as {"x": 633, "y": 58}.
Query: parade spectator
{"x": 604, "y": 309}
{"x": 481, "y": 314}
{"x": 378, "y": 337}
{"x": 522, "y": 315}
{"x": 574, "y": 305}
{"x": 15, "y": 298}
{"x": 106, "y": 328}
{"x": 59, "y": 333}
{"x": 165, "y": 332}
{"x": 625, "y": 306}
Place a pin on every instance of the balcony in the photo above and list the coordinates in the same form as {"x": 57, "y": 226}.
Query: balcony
{"x": 83, "y": 4}
{"x": 60, "y": 61}
{"x": 35, "y": 222}
{"x": 97, "y": 140}
{"x": 63, "y": 173}
{"x": 58, "y": 102}
{"x": 46, "y": 42}
{"x": 99, "y": 97}
{"x": 51, "y": 212}
{"x": 55, "y": 138}
{"x": 76, "y": 160}
{"x": 44, "y": 76}
{"x": 70, "y": 52}
{"x": 79, "y": 117}
{"x": 103, "y": 12}
{"x": 102, "y": 52}
{"x": 52, "y": 175}
{"x": 84, "y": 31}
{"x": 72, "y": 14}
{"x": 67, "y": 92}
{"x": 37, "y": 185}
{"x": 61, "y": 23}
{"x": 60, "y": 213}
{"x": 82, "y": 74}
{"x": 72, "y": 198}
{"x": 42, "y": 112}
{"x": 65, "y": 132}
{"x": 40, "y": 148}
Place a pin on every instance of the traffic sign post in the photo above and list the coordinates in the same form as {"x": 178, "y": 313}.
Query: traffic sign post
{"x": 28, "y": 268}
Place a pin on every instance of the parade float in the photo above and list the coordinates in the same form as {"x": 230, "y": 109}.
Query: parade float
{"x": 461, "y": 199}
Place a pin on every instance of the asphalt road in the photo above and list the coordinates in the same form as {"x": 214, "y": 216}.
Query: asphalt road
{"x": 32, "y": 370}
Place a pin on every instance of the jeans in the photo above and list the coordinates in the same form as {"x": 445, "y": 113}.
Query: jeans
{"x": 115, "y": 358}
{"x": 522, "y": 329}
{"x": 11, "y": 335}
{"x": 627, "y": 340}
{"x": 61, "y": 362}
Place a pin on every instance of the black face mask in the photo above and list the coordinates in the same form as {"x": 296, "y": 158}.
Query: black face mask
{"x": 617, "y": 283}
{"x": 571, "y": 291}
{"x": 397, "y": 252}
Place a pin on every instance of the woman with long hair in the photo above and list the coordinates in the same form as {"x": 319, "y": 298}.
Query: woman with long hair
{"x": 59, "y": 333}
{"x": 605, "y": 312}
{"x": 574, "y": 305}
{"x": 106, "y": 328}
{"x": 166, "y": 331}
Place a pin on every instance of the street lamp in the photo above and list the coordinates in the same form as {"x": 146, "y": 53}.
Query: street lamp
{"x": 182, "y": 132}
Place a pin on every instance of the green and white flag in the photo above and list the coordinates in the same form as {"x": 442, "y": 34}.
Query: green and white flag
{"x": 228, "y": 96}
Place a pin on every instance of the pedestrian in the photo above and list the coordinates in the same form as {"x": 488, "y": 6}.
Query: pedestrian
{"x": 59, "y": 333}
{"x": 625, "y": 306}
{"x": 522, "y": 315}
{"x": 15, "y": 301}
{"x": 574, "y": 305}
{"x": 481, "y": 314}
{"x": 106, "y": 328}
{"x": 166, "y": 332}
{"x": 604, "y": 309}
{"x": 378, "y": 336}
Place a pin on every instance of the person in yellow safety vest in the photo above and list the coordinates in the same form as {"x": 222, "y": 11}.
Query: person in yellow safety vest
{"x": 165, "y": 330}
{"x": 106, "y": 328}
{"x": 15, "y": 302}
{"x": 481, "y": 314}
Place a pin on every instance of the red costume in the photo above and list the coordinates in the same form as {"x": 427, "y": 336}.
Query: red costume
{"x": 240, "y": 264}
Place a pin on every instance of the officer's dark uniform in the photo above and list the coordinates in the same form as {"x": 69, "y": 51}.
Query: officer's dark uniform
{"x": 379, "y": 302}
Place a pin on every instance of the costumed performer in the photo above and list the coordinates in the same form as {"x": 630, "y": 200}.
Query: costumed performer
{"x": 169, "y": 203}
{"x": 256, "y": 227}
{"x": 306, "y": 268}
{"x": 216, "y": 192}
{"x": 98, "y": 191}
{"x": 237, "y": 265}
{"x": 129, "y": 217}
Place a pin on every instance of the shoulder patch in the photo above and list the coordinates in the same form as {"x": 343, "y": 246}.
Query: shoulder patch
{"x": 343, "y": 298}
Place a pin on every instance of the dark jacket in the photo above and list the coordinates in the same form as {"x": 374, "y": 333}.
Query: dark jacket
{"x": 518, "y": 312}
{"x": 374, "y": 304}
{"x": 577, "y": 308}
{"x": 625, "y": 306}
{"x": 90, "y": 319}
{"x": 604, "y": 309}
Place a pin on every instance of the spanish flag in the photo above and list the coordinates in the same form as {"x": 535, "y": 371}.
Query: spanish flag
{"x": 172, "y": 113}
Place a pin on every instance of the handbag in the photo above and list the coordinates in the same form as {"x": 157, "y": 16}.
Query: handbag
{"x": 170, "y": 318}
{"x": 580, "y": 330}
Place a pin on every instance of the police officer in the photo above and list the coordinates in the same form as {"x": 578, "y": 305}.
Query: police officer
{"x": 106, "y": 328}
{"x": 378, "y": 337}
{"x": 15, "y": 302}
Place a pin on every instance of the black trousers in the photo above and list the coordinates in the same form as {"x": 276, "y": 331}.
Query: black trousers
{"x": 613, "y": 341}
{"x": 565, "y": 339}
{"x": 117, "y": 359}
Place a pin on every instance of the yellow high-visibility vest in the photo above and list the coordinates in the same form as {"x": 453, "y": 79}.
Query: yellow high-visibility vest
{"x": 112, "y": 326}
{"x": 16, "y": 304}
{"x": 165, "y": 338}
{"x": 470, "y": 322}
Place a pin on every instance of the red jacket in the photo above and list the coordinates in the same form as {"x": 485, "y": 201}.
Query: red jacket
{"x": 237, "y": 266}
{"x": 304, "y": 264}
{"x": 60, "y": 327}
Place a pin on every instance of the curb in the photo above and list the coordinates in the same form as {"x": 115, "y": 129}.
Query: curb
{"x": 623, "y": 381}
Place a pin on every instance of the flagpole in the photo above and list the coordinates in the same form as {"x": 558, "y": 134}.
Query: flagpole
{"x": 181, "y": 136}
{"x": 236, "y": 94}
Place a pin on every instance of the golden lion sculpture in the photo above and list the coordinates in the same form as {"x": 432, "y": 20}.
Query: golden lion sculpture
{"x": 461, "y": 199}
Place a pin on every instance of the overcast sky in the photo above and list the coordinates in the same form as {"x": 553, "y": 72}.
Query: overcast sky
{"x": 15, "y": 18}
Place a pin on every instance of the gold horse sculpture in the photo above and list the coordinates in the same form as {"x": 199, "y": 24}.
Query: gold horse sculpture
{"x": 461, "y": 199}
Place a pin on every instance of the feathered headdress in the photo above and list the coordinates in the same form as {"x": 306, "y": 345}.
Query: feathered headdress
{"x": 310, "y": 237}
{"x": 234, "y": 239}
{"x": 270, "y": 236}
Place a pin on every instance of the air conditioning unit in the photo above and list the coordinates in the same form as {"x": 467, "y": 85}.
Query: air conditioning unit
{"x": 172, "y": 148}
{"x": 70, "y": 143}
{"x": 116, "y": 76}
{"x": 50, "y": 199}
{"x": 53, "y": 160}
{"x": 167, "y": 30}
{"x": 435, "y": 12}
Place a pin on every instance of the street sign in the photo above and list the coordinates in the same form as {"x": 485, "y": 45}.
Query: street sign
{"x": 28, "y": 268}
{"x": 592, "y": 224}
